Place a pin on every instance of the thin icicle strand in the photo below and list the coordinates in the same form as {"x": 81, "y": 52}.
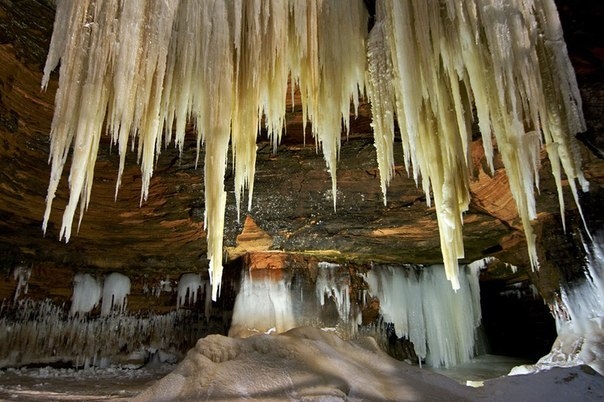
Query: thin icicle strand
{"x": 381, "y": 95}
{"x": 507, "y": 58}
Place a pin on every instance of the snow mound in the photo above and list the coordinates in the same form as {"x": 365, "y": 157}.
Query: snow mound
{"x": 306, "y": 363}
{"x": 302, "y": 364}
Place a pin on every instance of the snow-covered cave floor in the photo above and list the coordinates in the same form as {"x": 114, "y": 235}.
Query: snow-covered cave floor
{"x": 91, "y": 384}
{"x": 301, "y": 364}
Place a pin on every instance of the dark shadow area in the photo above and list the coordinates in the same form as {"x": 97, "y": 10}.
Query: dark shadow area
{"x": 515, "y": 322}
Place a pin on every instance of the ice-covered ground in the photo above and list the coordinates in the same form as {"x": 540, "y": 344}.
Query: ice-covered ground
{"x": 301, "y": 364}
{"x": 63, "y": 384}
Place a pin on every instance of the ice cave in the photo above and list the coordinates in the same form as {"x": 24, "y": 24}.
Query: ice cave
{"x": 356, "y": 200}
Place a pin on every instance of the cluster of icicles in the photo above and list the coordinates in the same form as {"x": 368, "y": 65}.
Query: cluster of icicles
{"x": 418, "y": 301}
{"x": 139, "y": 68}
{"x": 40, "y": 332}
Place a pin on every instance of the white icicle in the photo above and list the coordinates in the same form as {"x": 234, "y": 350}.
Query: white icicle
{"x": 150, "y": 65}
{"x": 329, "y": 285}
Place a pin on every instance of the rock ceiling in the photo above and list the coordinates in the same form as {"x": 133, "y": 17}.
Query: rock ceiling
{"x": 292, "y": 208}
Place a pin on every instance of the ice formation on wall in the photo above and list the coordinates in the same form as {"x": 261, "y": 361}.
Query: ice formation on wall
{"x": 141, "y": 68}
{"x": 263, "y": 304}
{"x": 40, "y": 332}
{"x": 164, "y": 285}
{"x": 116, "y": 288}
{"x": 188, "y": 286}
{"x": 520, "y": 290}
{"x": 86, "y": 294}
{"x": 329, "y": 285}
{"x": 21, "y": 274}
{"x": 272, "y": 301}
{"x": 579, "y": 318}
{"x": 420, "y": 303}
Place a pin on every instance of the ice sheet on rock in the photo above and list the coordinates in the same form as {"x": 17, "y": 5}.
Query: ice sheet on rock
{"x": 116, "y": 288}
{"x": 441, "y": 323}
{"x": 86, "y": 293}
{"x": 308, "y": 364}
{"x": 263, "y": 304}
